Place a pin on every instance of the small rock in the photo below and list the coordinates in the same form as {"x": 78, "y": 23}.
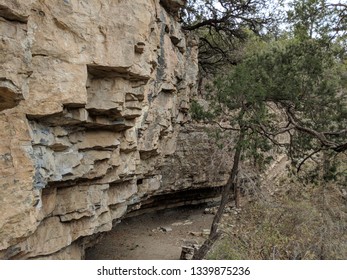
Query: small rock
{"x": 134, "y": 247}
{"x": 212, "y": 210}
{"x": 140, "y": 47}
{"x": 166, "y": 229}
{"x": 187, "y": 253}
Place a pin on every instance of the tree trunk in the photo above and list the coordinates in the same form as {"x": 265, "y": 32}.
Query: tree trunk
{"x": 231, "y": 185}
{"x": 237, "y": 195}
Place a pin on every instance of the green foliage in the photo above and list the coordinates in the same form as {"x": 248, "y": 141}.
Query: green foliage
{"x": 307, "y": 17}
{"x": 288, "y": 83}
{"x": 303, "y": 78}
{"x": 222, "y": 26}
{"x": 323, "y": 168}
{"x": 198, "y": 112}
{"x": 294, "y": 72}
{"x": 284, "y": 90}
{"x": 320, "y": 19}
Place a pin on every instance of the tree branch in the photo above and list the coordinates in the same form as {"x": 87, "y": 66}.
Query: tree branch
{"x": 335, "y": 133}
{"x": 318, "y": 135}
{"x": 308, "y": 157}
{"x": 208, "y": 22}
{"x": 310, "y": 131}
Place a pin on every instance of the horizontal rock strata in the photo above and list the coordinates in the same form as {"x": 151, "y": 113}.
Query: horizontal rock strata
{"x": 94, "y": 99}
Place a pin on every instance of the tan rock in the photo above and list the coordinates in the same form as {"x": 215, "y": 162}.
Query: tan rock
{"x": 76, "y": 202}
{"x": 48, "y": 201}
{"x": 72, "y": 252}
{"x": 14, "y": 58}
{"x": 52, "y": 83}
{"x": 149, "y": 185}
{"x": 19, "y": 200}
{"x": 98, "y": 140}
{"x": 118, "y": 210}
{"x": 50, "y": 236}
{"x": 93, "y": 96}
{"x": 120, "y": 192}
{"x": 173, "y": 5}
{"x": 15, "y": 10}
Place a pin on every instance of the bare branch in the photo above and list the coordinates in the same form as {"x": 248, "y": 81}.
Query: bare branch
{"x": 310, "y": 131}
{"x": 308, "y": 157}
{"x": 335, "y": 133}
{"x": 337, "y": 147}
{"x": 278, "y": 132}
{"x": 208, "y": 22}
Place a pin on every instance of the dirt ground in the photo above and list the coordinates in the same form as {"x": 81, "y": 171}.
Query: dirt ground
{"x": 153, "y": 236}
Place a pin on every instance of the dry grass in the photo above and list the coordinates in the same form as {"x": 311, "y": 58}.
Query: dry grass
{"x": 297, "y": 222}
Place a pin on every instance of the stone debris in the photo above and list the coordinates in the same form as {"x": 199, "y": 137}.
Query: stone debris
{"x": 184, "y": 223}
{"x": 195, "y": 233}
{"x": 187, "y": 253}
{"x": 204, "y": 232}
{"x": 211, "y": 210}
{"x": 165, "y": 229}
{"x": 176, "y": 224}
{"x": 188, "y": 250}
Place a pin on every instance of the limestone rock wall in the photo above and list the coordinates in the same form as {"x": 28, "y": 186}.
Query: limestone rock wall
{"x": 93, "y": 96}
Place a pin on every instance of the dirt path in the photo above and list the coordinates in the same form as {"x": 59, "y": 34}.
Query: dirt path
{"x": 158, "y": 235}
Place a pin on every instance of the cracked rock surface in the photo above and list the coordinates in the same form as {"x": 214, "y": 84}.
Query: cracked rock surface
{"x": 94, "y": 100}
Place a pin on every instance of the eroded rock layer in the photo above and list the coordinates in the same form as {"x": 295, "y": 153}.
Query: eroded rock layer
{"x": 94, "y": 99}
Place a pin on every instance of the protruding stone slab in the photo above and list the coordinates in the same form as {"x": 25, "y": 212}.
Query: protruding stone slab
{"x": 173, "y": 5}
{"x": 9, "y": 95}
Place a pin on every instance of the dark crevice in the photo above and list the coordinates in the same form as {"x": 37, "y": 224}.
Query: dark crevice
{"x": 10, "y": 94}
{"x": 39, "y": 54}
{"x": 102, "y": 72}
{"x": 187, "y": 197}
{"x": 72, "y": 183}
{"x": 11, "y": 15}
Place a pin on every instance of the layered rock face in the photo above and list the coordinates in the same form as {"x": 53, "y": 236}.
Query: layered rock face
{"x": 94, "y": 99}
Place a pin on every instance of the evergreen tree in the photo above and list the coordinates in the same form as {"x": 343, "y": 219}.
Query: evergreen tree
{"x": 295, "y": 86}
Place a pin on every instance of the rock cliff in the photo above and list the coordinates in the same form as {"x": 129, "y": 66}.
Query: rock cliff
{"x": 94, "y": 100}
